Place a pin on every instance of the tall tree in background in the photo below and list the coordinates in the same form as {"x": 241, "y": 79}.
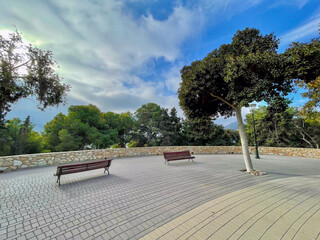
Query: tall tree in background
{"x": 229, "y": 78}
{"x": 148, "y": 120}
{"x": 27, "y": 71}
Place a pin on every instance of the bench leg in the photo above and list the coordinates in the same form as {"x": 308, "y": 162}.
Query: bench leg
{"x": 58, "y": 179}
{"x": 106, "y": 169}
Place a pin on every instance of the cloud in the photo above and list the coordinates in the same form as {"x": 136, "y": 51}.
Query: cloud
{"x": 105, "y": 51}
{"x": 297, "y": 3}
{"x": 229, "y": 7}
{"x": 308, "y": 29}
{"x": 173, "y": 78}
{"x": 101, "y": 49}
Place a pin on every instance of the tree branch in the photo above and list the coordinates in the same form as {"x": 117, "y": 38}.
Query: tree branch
{"x": 304, "y": 134}
{"x": 225, "y": 101}
{"x": 21, "y": 64}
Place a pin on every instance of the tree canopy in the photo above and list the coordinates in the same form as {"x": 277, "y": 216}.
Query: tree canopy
{"x": 27, "y": 71}
{"x": 246, "y": 70}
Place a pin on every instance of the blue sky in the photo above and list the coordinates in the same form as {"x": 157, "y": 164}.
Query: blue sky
{"x": 119, "y": 55}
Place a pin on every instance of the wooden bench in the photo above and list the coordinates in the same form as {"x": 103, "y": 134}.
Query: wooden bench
{"x": 173, "y": 156}
{"x": 82, "y": 167}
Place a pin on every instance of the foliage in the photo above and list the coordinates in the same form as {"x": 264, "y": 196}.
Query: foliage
{"x": 27, "y": 71}
{"x": 203, "y": 132}
{"x": 83, "y": 125}
{"x": 18, "y": 137}
{"x": 116, "y": 145}
{"x": 148, "y": 124}
{"x": 286, "y": 128}
{"x": 246, "y": 70}
{"x": 132, "y": 144}
{"x": 303, "y": 65}
{"x": 86, "y": 127}
{"x": 120, "y": 127}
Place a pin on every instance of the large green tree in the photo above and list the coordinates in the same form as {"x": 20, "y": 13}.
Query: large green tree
{"x": 27, "y": 71}
{"x": 84, "y": 125}
{"x": 231, "y": 77}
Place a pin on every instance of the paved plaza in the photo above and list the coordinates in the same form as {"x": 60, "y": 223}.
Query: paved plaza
{"x": 144, "y": 198}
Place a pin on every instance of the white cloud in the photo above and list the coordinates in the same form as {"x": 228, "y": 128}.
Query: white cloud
{"x": 173, "y": 78}
{"x": 226, "y": 8}
{"x": 101, "y": 49}
{"x": 308, "y": 29}
{"x": 298, "y": 3}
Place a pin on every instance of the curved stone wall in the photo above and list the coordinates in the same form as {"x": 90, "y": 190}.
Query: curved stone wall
{"x": 9, "y": 163}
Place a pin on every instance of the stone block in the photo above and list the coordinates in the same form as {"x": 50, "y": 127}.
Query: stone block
{"x": 2, "y": 169}
{"x": 7, "y": 164}
{"x": 17, "y": 163}
{"x": 42, "y": 163}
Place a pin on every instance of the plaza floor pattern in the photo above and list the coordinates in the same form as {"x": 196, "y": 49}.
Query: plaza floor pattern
{"x": 144, "y": 198}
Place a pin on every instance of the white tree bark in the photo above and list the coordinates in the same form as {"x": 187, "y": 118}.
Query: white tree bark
{"x": 244, "y": 141}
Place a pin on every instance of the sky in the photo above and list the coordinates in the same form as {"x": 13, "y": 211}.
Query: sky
{"x": 119, "y": 55}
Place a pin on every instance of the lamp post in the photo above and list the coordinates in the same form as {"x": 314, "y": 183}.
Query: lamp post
{"x": 253, "y": 106}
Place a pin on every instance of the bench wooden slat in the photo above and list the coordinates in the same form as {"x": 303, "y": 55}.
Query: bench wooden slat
{"x": 172, "y": 156}
{"x": 81, "y": 167}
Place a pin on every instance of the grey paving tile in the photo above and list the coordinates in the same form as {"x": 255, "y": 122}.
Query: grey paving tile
{"x": 140, "y": 194}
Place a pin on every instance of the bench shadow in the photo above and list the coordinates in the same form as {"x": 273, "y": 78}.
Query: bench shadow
{"x": 180, "y": 164}
{"x": 93, "y": 180}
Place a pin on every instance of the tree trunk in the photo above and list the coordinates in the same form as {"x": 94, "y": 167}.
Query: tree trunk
{"x": 244, "y": 141}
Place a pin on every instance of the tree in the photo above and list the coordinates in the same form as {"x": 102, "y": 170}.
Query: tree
{"x": 125, "y": 128}
{"x": 51, "y": 132}
{"x": 229, "y": 78}
{"x": 307, "y": 127}
{"x": 203, "y": 132}
{"x": 19, "y": 138}
{"x": 120, "y": 127}
{"x": 303, "y": 66}
{"x": 148, "y": 119}
{"x": 274, "y": 126}
{"x": 27, "y": 71}
{"x": 82, "y": 126}
{"x": 169, "y": 127}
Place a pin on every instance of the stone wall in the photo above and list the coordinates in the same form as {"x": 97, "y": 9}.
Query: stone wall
{"x": 9, "y": 163}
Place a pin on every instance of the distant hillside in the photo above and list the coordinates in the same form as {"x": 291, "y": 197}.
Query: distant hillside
{"x": 232, "y": 126}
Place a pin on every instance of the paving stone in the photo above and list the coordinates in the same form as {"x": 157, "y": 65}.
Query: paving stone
{"x": 22, "y": 238}
{"x": 140, "y": 195}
